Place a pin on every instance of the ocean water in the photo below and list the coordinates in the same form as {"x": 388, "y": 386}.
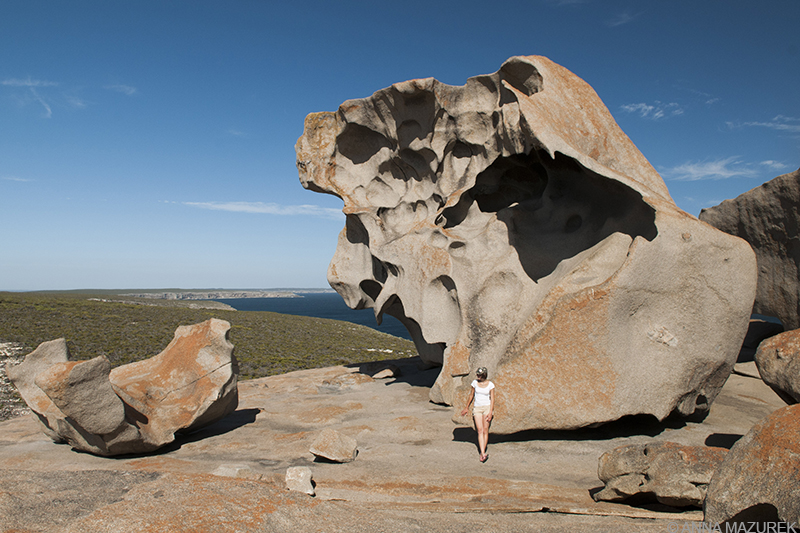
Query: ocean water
{"x": 320, "y": 305}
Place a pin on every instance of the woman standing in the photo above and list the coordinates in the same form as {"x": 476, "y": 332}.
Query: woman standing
{"x": 482, "y": 410}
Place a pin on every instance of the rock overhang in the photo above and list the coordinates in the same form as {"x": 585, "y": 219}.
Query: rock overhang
{"x": 509, "y": 219}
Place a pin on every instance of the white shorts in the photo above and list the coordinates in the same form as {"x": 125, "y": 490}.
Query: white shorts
{"x": 481, "y": 410}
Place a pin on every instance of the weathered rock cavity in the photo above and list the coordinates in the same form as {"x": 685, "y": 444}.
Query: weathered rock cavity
{"x": 509, "y": 223}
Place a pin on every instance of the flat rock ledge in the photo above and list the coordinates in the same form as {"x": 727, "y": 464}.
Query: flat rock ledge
{"x": 414, "y": 471}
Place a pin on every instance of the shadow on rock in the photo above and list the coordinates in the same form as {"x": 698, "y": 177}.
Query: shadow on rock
{"x": 235, "y": 420}
{"x": 411, "y": 371}
{"x": 722, "y": 440}
{"x": 627, "y": 426}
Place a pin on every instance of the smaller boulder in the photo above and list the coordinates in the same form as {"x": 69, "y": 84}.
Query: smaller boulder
{"x": 299, "y": 479}
{"x": 669, "y": 473}
{"x": 334, "y": 446}
{"x": 757, "y": 481}
{"x": 778, "y": 362}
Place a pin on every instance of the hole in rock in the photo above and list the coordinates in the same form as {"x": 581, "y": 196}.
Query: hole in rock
{"x": 429, "y": 352}
{"x": 521, "y": 75}
{"x": 379, "y": 271}
{"x": 371, "y": 288}
{"x": 355, "y": 232}
{"x": 359, "y": 143}
{"x": 553, "y": 208}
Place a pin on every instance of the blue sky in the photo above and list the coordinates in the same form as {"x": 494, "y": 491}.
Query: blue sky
{"x": 150, "y": 144}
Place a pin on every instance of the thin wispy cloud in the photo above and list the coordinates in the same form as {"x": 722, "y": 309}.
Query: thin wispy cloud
{"x": 270, "y": 209}
{"x": 720, "y": 169}
{"x": 48, "y": 111}
{"x": 236, "y": 133}
{"x": 779, "y": 123}
{"x": 706, "y": 98}
{"x": 124, "y": 89}
{"x": 775, "y": 165}
{"x": 31, "y": 90}
{"x": 28, "y": 82}
{"x": 15, "y": 178}
{"x": 34, "y": 91}
{"x": 654, "y": 111}
{"x": 622, "y": 18}
{"x": 76, "y": 102}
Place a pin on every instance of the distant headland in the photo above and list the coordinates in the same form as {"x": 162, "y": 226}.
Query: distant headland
{"x": 215, "y": 294}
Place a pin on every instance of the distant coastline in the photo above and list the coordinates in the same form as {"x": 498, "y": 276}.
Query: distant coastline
{"x": 224, "y": 294}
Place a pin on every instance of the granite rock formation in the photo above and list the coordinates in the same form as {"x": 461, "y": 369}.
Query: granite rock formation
{"x": 133, "y": 408}
{"x": 768, "y": 218}
{"x": 509, "y": 223}
{"x": 666, "y": 472}
{"x": 778, "y": 362}
{"x": 757, "y": 480}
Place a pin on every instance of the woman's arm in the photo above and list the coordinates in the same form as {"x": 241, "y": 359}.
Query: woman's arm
{"x": 469, "y": 401}
{"x": 491, "y": 406}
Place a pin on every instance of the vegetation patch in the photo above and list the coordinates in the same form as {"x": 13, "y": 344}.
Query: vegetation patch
{"x": 266, "y": 343}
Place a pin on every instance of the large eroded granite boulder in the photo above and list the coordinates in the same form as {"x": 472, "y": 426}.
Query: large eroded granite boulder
{"x": 133, "y": 408}
{"x": 758, "y": 479}
{"x": 778, "y": 362}
{"x": 509, "y": 223}
{"x": 768, "y": 218}
{"x": 666, "y": 472}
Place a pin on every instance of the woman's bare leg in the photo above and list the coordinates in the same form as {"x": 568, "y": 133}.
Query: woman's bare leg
{"x": 483, "y": 433}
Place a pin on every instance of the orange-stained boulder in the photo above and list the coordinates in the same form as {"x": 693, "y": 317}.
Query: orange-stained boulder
{"x": 190, "y": 384}
{"x": 758, "y": 479}
{"x": 509, "y": 223}
{"x": 133, "y": 408}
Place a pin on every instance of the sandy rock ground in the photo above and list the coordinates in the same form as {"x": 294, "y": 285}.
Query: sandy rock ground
{"x": 415, "y": 470}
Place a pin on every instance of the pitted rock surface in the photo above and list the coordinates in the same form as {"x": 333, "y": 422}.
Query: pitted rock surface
{"x": 509, "y": 223}
{"x": 133, "y": 408}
